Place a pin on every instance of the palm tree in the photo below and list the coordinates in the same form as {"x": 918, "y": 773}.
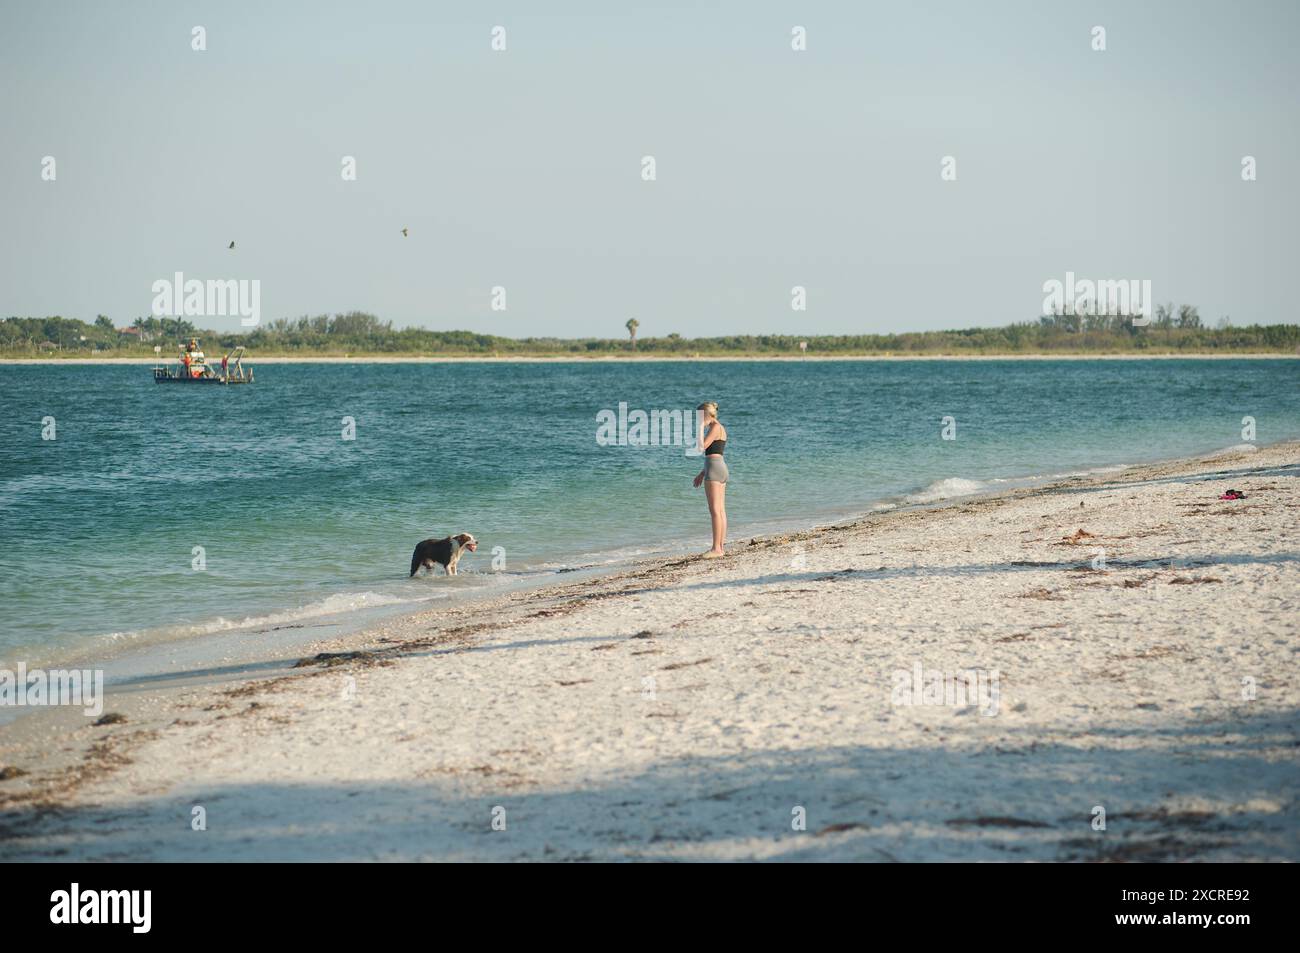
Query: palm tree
{"x": 632, "y": 325}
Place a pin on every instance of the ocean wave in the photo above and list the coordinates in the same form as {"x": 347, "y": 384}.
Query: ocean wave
{"x": 1235, "y": 448}
{"x": 335, "y": 604}
{"x": 946, "y": 489}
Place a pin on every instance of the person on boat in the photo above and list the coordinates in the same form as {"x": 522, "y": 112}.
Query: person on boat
{"x": 195, "y": 364}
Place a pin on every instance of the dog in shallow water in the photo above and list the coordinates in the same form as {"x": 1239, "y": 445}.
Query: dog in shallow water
{"x": 444, "y": 552}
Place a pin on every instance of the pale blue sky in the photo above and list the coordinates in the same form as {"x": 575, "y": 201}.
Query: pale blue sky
{"x": 775, "y": 168}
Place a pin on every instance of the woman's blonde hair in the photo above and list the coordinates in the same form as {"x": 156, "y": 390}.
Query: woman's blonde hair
{"x": 709, "y": 407}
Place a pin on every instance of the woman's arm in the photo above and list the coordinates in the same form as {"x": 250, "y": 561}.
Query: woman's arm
{"x": 719, "y": 433}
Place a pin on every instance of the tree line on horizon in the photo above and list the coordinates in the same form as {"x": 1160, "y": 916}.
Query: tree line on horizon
{"x": 359, "y": 333}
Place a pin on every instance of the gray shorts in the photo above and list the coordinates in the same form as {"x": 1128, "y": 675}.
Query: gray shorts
{"x": 715, "y": 468}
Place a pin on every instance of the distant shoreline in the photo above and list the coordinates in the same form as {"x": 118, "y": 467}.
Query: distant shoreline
{"x": 254, "y": 360}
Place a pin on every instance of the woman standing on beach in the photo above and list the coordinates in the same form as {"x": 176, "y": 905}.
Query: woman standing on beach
{"x": 713, "y": 440}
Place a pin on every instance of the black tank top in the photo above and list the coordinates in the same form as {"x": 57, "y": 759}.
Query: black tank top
{"x": 715, "y": 449}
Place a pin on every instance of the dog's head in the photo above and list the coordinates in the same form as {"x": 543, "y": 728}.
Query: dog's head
{"x": 467, "y": 542}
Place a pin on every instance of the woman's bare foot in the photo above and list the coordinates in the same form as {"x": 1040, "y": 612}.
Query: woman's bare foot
{"x": 713, "y": 554}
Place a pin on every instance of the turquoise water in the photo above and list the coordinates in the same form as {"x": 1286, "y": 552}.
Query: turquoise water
{"x": 99, "y": 524}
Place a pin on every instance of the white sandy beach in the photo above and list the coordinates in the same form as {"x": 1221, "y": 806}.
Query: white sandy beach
{"x": 1143, "y": 636}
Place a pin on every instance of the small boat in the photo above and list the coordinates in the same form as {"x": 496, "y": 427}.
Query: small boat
{"x": 193, "y": 368}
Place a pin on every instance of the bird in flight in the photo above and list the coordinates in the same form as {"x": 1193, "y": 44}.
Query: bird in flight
{"x": 404, "y": 232}
{"x": 232, "y": 246}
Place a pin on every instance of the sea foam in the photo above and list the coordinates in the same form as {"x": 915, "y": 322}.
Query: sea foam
{"x": 946, "y": 489}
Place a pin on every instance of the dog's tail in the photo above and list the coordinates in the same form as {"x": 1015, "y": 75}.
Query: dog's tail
{"x": 415, "y": 561}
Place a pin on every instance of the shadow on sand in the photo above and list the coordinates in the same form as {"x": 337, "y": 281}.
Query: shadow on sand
{"x": 1171, "y": 791}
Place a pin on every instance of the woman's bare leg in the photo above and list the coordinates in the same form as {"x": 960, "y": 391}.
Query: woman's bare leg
{"x": 716, "y": 495}
{"x": 721, "y": 541}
